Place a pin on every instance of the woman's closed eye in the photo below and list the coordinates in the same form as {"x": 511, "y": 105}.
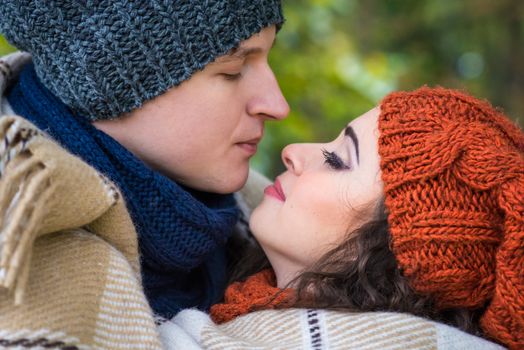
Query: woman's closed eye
{"x": 334, "y": 161}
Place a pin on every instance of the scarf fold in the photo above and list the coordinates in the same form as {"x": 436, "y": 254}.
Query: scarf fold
{"x": 181, "y": 233}
{"x": 258, "y": 292}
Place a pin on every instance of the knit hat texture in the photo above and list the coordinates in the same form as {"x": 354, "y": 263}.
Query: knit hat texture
{"x": 105, "y": 58}
{"x": 453, "y": 173}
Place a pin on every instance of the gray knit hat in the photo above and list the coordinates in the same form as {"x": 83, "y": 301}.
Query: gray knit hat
{"x": 103, "y": 58}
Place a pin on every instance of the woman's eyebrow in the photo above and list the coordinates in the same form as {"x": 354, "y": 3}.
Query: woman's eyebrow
{"x": 351, "y": 133}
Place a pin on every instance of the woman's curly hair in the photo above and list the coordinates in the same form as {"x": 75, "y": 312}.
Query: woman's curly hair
{"x": 361, "y": 274}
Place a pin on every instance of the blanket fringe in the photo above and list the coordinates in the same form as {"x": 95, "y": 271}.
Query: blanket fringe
{"x": 25, "y": 183}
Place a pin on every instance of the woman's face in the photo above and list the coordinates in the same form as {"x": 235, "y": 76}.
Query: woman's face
{"x": 328, "y": 190}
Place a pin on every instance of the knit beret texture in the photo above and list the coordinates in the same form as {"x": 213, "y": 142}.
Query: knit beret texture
{"x": 453, "y": 172}
{"x": 103, "y": 58}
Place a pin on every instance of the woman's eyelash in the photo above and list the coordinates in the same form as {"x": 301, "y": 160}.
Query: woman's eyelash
{"x": 333, "y": 160}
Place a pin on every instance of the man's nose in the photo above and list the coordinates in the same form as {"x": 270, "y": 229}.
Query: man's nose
{"x": 268, "y": 100}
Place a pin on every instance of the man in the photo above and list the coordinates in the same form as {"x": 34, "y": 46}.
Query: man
{"x": 166, "y": 100}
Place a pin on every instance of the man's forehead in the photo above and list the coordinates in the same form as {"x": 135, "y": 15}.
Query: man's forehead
{"x": 241, "y": 52}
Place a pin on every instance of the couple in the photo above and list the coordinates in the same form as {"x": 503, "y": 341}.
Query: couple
{"x": 127, "y": 128}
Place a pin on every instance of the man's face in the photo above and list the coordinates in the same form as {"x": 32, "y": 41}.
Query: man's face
{"x": 203, "y": 132}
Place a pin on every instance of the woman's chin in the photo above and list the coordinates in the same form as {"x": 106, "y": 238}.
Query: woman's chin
{"x": 254, "y": 221}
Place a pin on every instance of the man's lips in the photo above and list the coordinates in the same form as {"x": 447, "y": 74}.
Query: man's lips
{"x": 275, "y": 191}
{"x": 250, "y": 146}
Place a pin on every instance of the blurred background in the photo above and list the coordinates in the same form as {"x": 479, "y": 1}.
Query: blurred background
{"x": 336, "y": 59}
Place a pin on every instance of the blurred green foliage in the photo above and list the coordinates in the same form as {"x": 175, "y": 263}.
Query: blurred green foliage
{"x": 5, "y": 48}
{"x": 335, "y": 59}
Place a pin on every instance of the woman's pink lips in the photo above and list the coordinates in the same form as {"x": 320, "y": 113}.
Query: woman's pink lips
{"x": 275, "y": 191}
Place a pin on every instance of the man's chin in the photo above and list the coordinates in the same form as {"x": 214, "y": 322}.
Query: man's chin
{"x": 231, "y": 186}
{"x": 221, "y": 185}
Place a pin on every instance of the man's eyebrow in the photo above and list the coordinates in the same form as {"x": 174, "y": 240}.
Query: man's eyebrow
{"x": 351, "y": 133}
{"x": 239, "y": 53}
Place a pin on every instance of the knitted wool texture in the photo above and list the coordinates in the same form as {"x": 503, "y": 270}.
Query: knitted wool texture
{"x": 258, "y": 292}
{"x": 71, "y": 288}
{"x": 105, "y": 58}
{"x": 182, "y": 232}
{"x": 453, "y": 172}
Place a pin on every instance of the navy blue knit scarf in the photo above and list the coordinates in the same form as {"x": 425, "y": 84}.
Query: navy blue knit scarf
{"x": 181, "y": 233}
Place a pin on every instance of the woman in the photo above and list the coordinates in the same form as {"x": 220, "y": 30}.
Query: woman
{"x": 417, "y": 208}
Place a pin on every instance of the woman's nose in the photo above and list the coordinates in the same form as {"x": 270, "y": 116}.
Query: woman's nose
{"x": 295, "y": 156}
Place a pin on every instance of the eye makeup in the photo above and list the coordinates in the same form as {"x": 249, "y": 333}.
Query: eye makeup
{"x": 334, "y": 161}
{"x": 350, "y": 132}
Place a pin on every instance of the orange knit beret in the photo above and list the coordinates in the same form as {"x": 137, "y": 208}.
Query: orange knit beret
{"x": 453, "y": 173}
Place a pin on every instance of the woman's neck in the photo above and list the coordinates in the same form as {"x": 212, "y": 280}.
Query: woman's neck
{"x": 285, "y": 271}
